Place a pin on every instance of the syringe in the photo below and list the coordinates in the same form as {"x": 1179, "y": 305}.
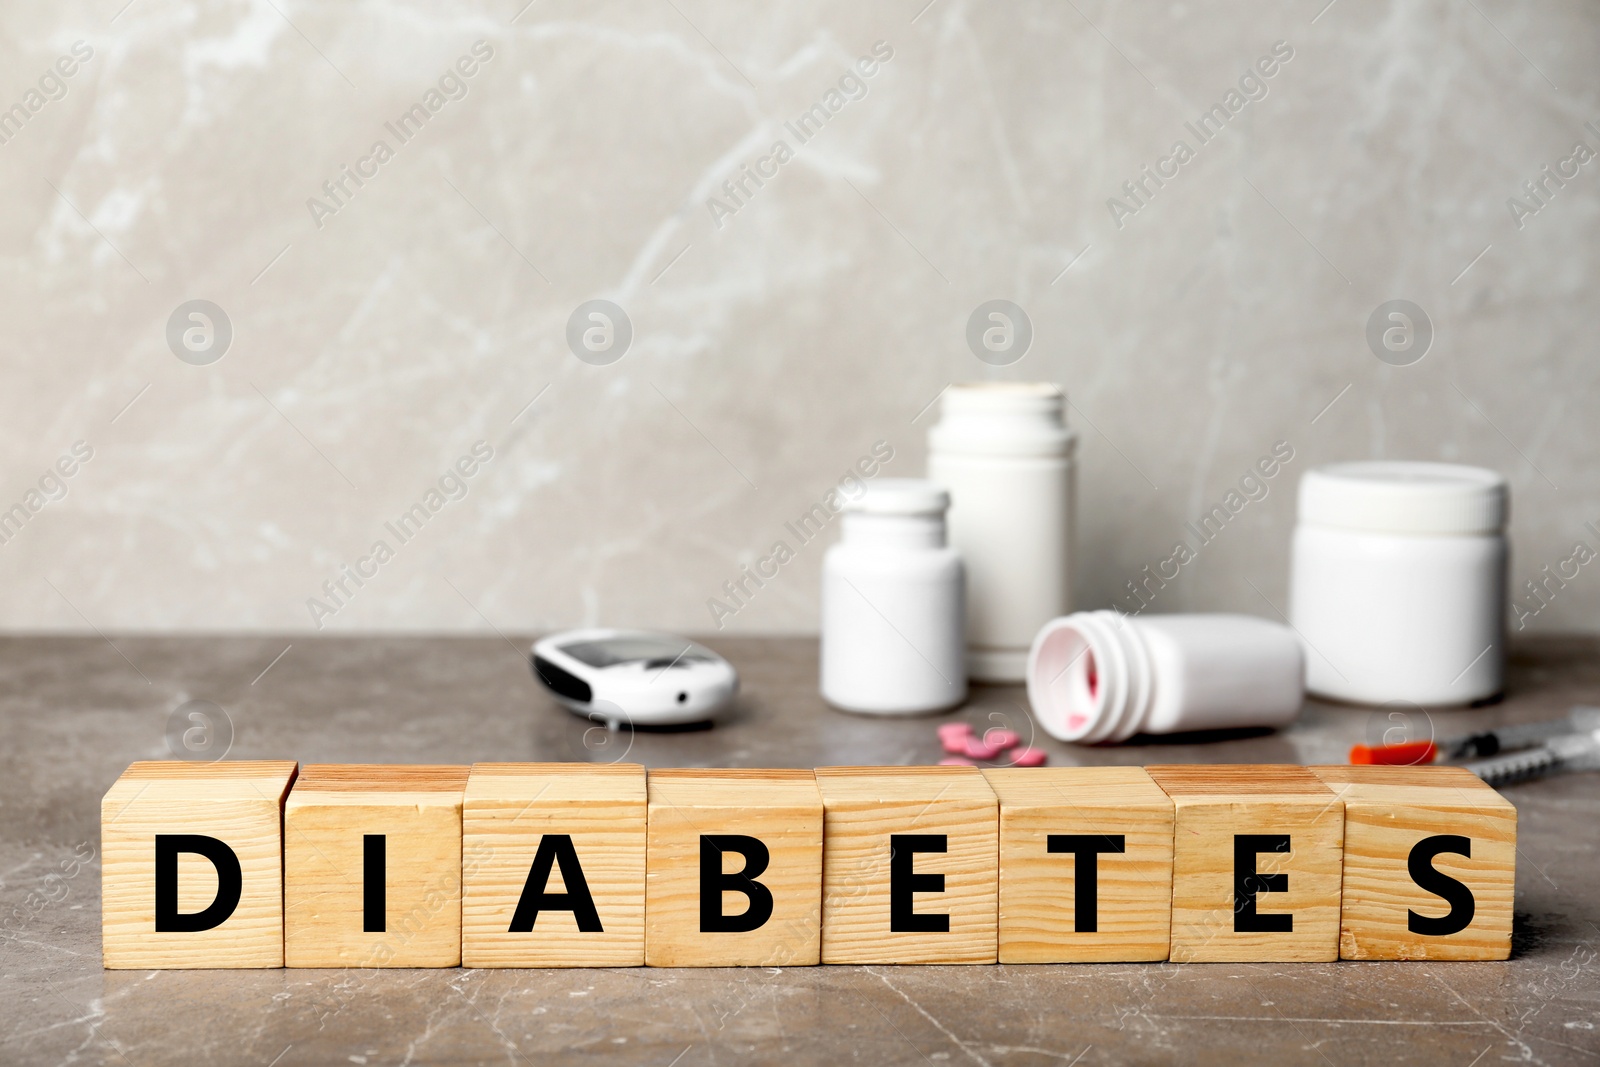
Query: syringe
{"x": 1558, "y": 755}
{"x": 1506, "y": 738}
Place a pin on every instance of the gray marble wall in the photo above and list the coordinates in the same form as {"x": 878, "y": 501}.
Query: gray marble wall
{"x": 388, "y": 327}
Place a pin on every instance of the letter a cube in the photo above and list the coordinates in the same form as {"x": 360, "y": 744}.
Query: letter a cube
{"x": 553, "y": 865}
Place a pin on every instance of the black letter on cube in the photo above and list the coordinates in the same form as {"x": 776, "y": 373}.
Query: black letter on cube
{"x": 230, "y": 882}
{"x": 1457, "y": 895}
{"x": 1085, "y": 849}
{"x": 904, "y": 881}
{"x": 1247, "y": 883}
{"x": 374, "y": 894}
{"x": 553, "y": 849}
{"x": 714, "y": 882}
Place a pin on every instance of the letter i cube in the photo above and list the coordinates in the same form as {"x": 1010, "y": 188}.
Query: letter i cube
{"x": 372, "y": 866}
{"x": 192, "y": 865}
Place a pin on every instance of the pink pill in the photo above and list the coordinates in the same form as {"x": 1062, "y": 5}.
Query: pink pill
{"x": 978, "y": 748}
{"x": 1029, "y": 757}
{"x": 955, "y": 761}
{"x": 1002, "y": 739}
{"x": 953, "y": 737}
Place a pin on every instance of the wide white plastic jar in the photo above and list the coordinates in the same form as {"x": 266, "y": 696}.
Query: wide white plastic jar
{"x": 1398, "y": 582}
{"x": 1005, "y": 453}
{"x": 1102, "y": 676}
{"x": 892, "y": 604}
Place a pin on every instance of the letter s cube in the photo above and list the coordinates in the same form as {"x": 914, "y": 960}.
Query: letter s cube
{"x": 1430, "y": 856}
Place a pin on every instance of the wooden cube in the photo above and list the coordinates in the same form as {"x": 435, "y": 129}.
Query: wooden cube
{"x": 553, "y": 865}
{"x": 1085, "y": 864}
{"x": 910, "y": 865}
{"x": 372, "y": 866}
{"x": 1430, "y": 856}
{"x": 733, "y": 868}
{"x": 192, "y": 865}
{"x": 1256, "y": 865}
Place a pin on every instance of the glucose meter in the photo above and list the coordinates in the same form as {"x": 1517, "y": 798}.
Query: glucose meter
{"x": 634, "y": 676}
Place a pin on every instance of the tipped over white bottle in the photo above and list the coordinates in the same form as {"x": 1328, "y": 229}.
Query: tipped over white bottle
{"x": 892, "y": 604}
{"x": 1102, "y": 676}
{"x": 1004, "y": 451}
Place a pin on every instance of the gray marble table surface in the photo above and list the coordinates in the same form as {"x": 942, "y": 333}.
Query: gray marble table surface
{"x": 75, "y": 711}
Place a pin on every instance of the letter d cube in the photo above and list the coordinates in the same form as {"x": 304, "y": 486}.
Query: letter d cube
{"x": 192, "y": 865}
{"x": 733, "y": 868}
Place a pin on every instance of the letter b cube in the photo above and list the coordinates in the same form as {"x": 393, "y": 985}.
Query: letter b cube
{"x": 733, "y": 868}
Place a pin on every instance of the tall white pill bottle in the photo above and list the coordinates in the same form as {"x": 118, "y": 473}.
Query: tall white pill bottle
{"x": 1005, "y": 453}
{"x": 1397, "y": 582}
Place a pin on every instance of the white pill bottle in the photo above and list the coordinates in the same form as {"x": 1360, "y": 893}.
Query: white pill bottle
{"x": 1004, "y": 452}
{"x": 1101, "y": 676}
{"x": 1398, "y": 582}
{"x": 892, "y": 604}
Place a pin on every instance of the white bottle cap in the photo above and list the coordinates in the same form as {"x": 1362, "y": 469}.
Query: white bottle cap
{"x": 1404, "y": 498}
{"x": 901, "y": 496}
{"x": 1002, "y": 419}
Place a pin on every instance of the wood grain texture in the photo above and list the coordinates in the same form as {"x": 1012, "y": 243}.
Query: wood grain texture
{"x": 1215, "y": 803}
{"x": 508, "y": 810}
{"x": 864, "y": 807}
{"x": 1388, "y": 811}
{"x": 238, "y": 803}
{"x": 1037, "y": 922}
{"x": 329, "y": 812}
{"x": 782, "y": 808}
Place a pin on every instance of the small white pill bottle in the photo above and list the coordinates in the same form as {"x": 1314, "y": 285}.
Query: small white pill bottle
{"x": 893, "y": 596}
{"x": 1397, "y": 582}
{"x": 1102, "y": 676}
{"x": 1004, "y": 451}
